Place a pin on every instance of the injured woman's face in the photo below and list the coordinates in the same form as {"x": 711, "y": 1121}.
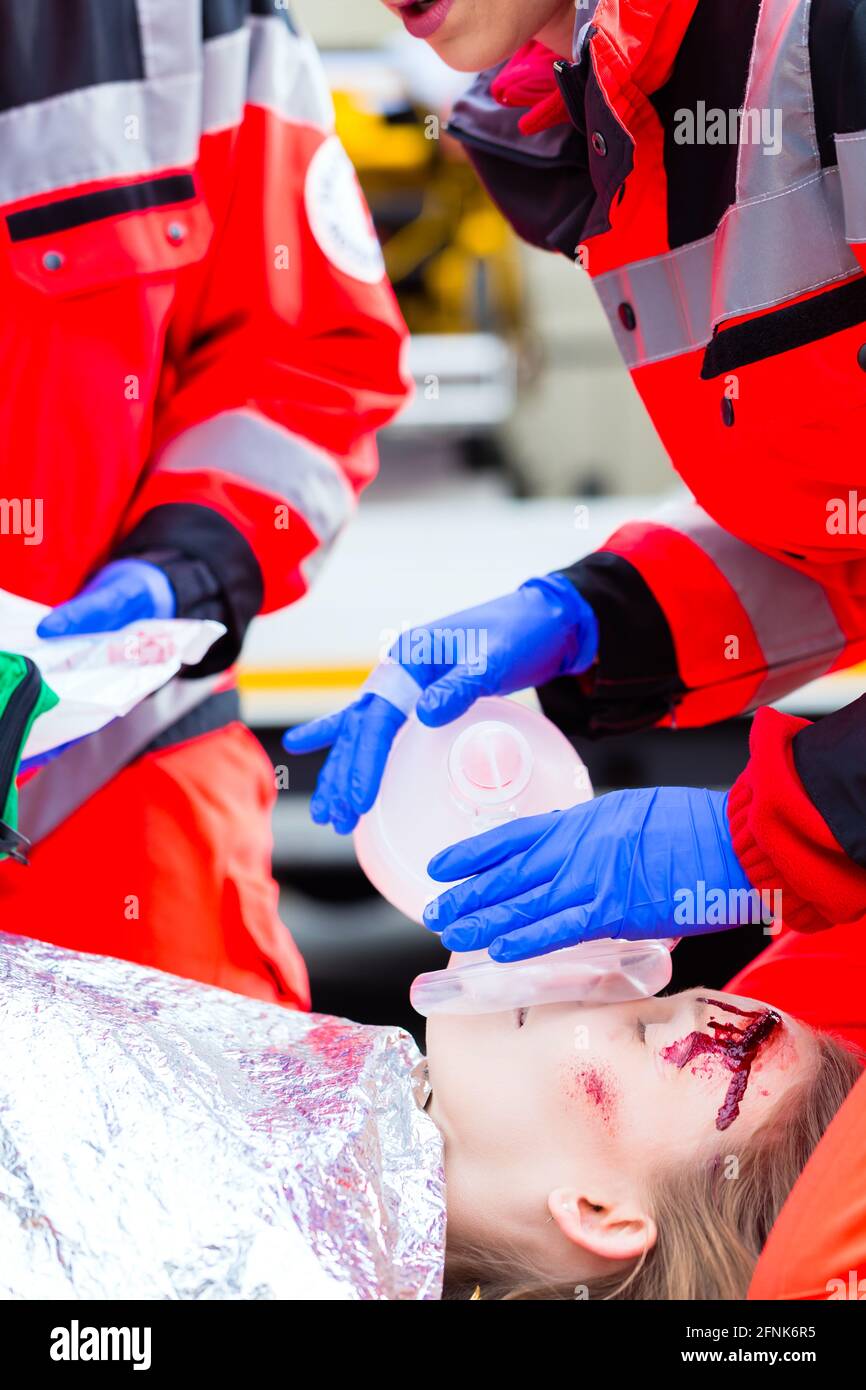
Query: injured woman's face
{"x": 553, "y": 1117}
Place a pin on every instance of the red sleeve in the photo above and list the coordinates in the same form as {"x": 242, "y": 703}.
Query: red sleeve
{"x": 697, "y": 625}
{"x": 850, "y": 135}
{"x": 766, "y": 626}
{"x": 285, "y": 353}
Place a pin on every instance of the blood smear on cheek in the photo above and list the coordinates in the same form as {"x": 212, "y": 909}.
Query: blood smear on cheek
{"x": 595, "y": 1085}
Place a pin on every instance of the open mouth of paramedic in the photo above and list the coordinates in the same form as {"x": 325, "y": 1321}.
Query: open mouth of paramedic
{"x": 473, "y": 34}
{"x": 620, "y": 1093}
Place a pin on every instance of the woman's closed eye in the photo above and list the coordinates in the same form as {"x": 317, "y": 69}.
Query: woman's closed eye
{"x": 640, "y": 1030}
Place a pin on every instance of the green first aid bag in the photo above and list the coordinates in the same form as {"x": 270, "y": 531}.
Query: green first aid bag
{"x": 23, "y": 697}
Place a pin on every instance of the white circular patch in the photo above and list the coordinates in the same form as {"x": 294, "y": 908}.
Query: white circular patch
{"x": 338, "y": 215}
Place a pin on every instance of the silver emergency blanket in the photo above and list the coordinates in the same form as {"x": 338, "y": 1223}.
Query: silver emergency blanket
{"x": 165, "y": 1140}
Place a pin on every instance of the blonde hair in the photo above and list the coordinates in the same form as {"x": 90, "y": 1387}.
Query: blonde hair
{"x": 711, "y": 1227}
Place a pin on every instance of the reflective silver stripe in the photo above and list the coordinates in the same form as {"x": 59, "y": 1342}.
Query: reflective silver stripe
{"x": 784, "y": 679}
{"x": 58, "y": 790}
{"x": 171, "y": 39}
{"x": 114, "y": 130}
{"x": 226, "y": 64}
{"x": 286, "y": 74}
{"x": 790, "y": 613}
{"x": 265, "y": 64}
{"x": 671, "y": 298}
{"x": 784, "y": 236}
{"x": 266, "y": 456}
{"x": 764, "y": 252}
{"x": 124, "y": 129}
{"x": 780, "y": 80}
{"x": 851, "y": 151}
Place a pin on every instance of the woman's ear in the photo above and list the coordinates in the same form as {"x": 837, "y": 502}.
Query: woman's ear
{"x": 619, "y": 1230}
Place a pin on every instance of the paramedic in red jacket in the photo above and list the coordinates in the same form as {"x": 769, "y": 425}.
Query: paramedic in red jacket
{"x": 198, "y": 344}
{"x": 705, "y": 164}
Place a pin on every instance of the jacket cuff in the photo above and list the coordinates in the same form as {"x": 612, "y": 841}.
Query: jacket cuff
{"x": 211, "y": 567}
{"x": 634, "y": 684}
{"x": 759, "y": 867}
{"x": 782, "y": 841}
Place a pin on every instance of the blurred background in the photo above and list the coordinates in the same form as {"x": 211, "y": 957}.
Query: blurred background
{"x": 525, "y": 447}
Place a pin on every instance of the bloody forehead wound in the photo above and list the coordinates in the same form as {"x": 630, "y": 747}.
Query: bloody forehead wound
{"x": 736, "y": 1047}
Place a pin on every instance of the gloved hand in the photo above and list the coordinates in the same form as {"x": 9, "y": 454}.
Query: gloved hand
{"x": 124, "y": 591}
{"x": 618, "y": 866}
{"x": 542, "y": 630}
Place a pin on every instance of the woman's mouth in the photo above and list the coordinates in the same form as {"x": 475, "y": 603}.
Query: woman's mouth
{"x": 423, "y": 17}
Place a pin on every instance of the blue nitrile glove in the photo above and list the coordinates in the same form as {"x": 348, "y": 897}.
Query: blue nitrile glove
{"x": 632, "y": 864}
{"x": 124, "y": 591}
{"x": 542, "y": 630}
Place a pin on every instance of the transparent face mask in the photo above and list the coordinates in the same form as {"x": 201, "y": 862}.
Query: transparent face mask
{"x": 500, "y": 761}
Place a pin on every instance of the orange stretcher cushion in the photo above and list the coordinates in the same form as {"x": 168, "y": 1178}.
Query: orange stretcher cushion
{"x": 817, "y": 1248}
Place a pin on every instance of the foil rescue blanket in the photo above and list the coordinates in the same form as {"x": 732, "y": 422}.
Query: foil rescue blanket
{"x": 163, "y": 1139}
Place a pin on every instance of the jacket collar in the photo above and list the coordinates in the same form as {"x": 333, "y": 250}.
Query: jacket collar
{"x": 641, "y": 39}
{"x": 635, "y": 43}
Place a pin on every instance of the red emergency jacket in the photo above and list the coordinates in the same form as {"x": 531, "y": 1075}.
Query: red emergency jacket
{"x": 705, "y": 162}
{"x": 197, "y": 340}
